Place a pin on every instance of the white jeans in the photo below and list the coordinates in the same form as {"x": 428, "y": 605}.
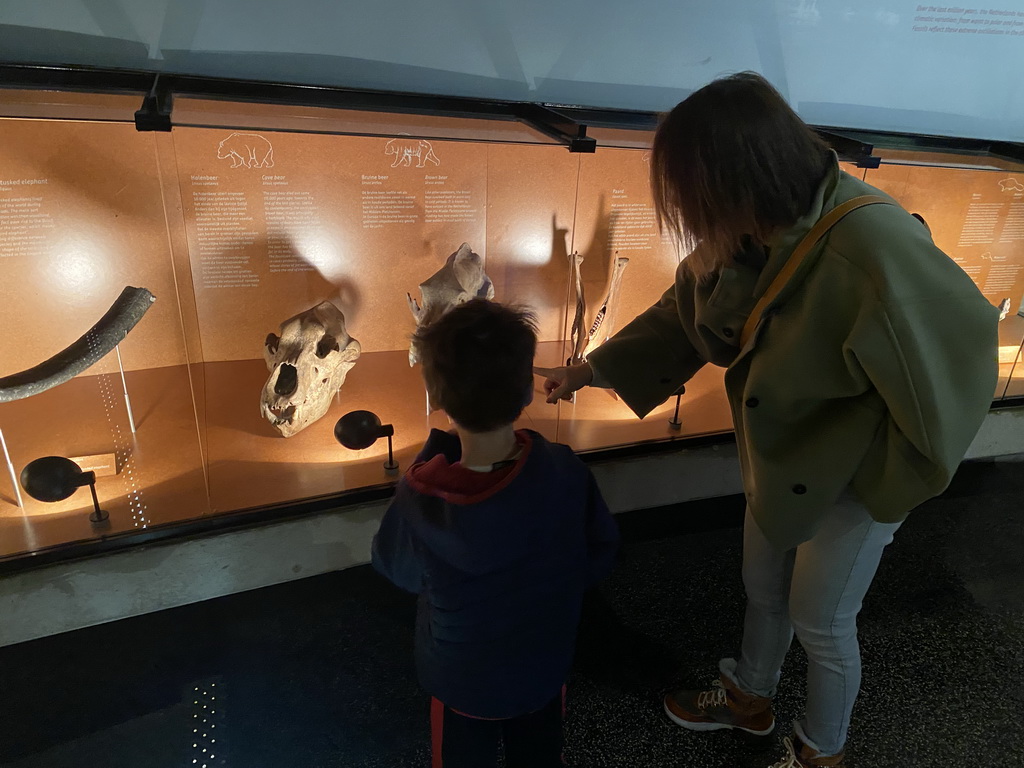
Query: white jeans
{"x": 816, "y": 590}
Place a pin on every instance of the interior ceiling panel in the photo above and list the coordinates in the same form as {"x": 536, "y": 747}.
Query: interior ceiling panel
{"x": 865, "y": 65}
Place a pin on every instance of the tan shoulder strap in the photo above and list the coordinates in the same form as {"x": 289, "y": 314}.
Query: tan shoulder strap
{"x": 823, "y": 225}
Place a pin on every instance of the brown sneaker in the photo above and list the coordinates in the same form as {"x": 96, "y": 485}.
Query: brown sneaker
{"x": 800, "y": 755}
{"x": 724, "y": 706}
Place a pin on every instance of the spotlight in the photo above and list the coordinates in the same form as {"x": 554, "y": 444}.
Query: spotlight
{"x": 54, "y": 478}
{"x": 357, "y": 430}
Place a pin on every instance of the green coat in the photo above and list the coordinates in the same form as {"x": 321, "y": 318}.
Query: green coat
{"x": 873, "y": 368}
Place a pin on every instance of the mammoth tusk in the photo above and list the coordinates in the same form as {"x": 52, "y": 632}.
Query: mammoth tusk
{"x": 97, "y": 342}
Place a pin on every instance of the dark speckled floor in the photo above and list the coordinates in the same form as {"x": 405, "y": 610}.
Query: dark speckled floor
{"x": 318, "y": 673}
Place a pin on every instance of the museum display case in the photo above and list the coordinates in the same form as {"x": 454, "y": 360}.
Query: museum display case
{"x": 975, "y": 209}
{"x": 245, "y": 219}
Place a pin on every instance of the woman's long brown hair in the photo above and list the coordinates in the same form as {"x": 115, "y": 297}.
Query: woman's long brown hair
{"x": 733, "y": 161}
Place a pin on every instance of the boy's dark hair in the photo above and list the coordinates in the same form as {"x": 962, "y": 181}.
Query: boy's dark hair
{"x": 478, "y": 363}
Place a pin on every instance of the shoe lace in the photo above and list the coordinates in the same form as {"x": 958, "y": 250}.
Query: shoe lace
{"x": 716, "y": 697}
{"x": 790, "y": 760}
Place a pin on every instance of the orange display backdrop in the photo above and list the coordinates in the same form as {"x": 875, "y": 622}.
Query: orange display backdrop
{"x": 976, "y": 216}
{"x": 531, "y": 202}
{"x": 285, "y": 221}
{"x": 281, "y": 222}
{"x": 615, "y": 219}
{"x": 81, "y": 217}
{"x": 158, "y": 475}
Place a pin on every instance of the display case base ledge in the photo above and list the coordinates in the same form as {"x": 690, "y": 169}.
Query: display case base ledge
{"x": 41, "y": 600}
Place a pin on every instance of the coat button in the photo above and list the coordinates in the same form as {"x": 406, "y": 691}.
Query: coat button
{"x": 752, "y": 402}
{"x": 799, "y": 490}
{"x": 728, "y": 332}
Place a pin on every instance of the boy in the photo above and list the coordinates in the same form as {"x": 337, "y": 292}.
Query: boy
{"x": 500, "y": 533}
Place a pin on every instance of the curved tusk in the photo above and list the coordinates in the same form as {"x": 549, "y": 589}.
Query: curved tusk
{"x": 97, "y": 342}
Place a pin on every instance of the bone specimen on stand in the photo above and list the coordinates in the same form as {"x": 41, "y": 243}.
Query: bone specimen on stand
{"x": 604, "y": 321}
{"x": 126, "y": 311}
{"x": 308, "y": 364}
{"x": 578, "y": 335}
{"x": 460, "y": 279}
{"x": 1004, "y": 308}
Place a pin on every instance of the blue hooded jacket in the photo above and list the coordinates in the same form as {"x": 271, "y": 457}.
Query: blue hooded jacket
{"x": 500, "y": 561}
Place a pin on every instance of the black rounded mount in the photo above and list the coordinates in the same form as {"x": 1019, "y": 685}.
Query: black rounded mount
{"x": 55, "y": 478}
{"x": 357, "y": 430}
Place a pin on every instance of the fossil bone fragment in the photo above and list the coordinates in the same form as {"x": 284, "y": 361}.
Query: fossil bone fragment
{"x": 460, "y": 279}
{"x": 1004, "y": 308}
{"x": 308, "y": 364}
{"x": 604, "y": 321}
{"x": 578, "y": 335}
{"x": 98, "y": 341}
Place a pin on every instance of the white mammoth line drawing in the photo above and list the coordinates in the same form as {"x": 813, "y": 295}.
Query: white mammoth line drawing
{"x": 405, "y": 150}
{"x": 248, "y": 149}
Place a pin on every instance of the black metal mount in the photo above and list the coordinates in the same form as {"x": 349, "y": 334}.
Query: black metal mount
{"x": 98, "y": 514}
{"x": 851, "y": 149}
{"x": 55, "y": 478}
{"x": 155, "y": 113}
{"x": 558, "y": 126}
{"x": 674, "y": 422}
{"x": 566, "y": 124}
{"x": 357, "y": 430}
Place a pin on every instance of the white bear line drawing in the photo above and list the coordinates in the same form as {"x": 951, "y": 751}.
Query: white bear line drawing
{"x": 248, "y": 149}
{"x": 405, "y": 150}
{"x": 1011, "y": 185}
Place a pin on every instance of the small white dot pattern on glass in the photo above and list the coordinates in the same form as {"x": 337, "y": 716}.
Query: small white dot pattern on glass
{"x": 124, "y": 442}
{"x": 207, "y": 705}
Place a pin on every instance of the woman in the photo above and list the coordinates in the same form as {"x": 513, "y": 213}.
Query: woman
{"x": 860, "y": 363}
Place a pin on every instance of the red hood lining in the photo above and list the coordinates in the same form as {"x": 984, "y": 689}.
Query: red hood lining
{"x": 456, "y": 484}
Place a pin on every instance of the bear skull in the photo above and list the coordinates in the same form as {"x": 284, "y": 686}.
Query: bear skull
{"x": 308, "y": 363}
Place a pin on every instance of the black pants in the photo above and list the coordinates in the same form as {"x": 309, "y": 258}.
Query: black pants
{"x": 530, "y": 741}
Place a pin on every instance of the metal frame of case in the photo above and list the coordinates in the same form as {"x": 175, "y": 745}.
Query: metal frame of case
{"x": 566, "y": 124}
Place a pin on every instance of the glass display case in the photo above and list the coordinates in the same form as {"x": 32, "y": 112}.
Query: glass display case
{"x": 250, "y": 215}
{"x": 975, "y": 210}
